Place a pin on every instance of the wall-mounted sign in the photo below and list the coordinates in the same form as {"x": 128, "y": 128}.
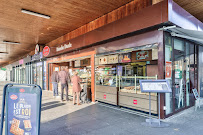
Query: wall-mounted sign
{"x": 112, "y": 59}
{"x": 77, "y": 63}
{"x": 103, "y": 60}
{"x": 46, "y": 51}
{"x": 63, "y": 47}
{"x": 154, "y": 54}
{"x": 36, "y": 56}
{"x": 168, "y": 69}
{"x": 125, "y": 57}
{"x": 37, "y": 49}
{"x": 142, "y": 55}
{"x": 85, "y": 62}
{"x": 21, "y": 62}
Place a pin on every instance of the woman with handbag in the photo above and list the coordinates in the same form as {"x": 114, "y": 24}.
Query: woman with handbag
{"x": 76, "y": 87}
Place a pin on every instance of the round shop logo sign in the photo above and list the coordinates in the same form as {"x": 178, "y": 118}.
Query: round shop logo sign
{"x": 14, "y": 97}
{"x": 22, "y": 90}
{"x": 46, "y": 51}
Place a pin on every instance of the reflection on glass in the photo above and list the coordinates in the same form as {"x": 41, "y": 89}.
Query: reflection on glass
{"x": 179, "y": 66}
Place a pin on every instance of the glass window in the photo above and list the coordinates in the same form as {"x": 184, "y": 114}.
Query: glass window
{"x": 168, "y": 73}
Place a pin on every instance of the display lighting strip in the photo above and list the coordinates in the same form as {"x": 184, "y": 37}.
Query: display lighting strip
{"x": 35, "y": 13}
{"x": 9, "y": 42}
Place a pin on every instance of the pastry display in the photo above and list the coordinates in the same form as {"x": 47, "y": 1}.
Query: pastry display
{"x": 14, "y": 129}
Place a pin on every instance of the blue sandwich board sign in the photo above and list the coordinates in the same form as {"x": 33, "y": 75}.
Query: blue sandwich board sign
{"x": 22, "y": 104}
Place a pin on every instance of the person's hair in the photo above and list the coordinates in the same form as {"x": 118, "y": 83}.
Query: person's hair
{"x": 75, "y": 73}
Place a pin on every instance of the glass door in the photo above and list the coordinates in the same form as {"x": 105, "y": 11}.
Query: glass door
{"x": 179, "y": 78}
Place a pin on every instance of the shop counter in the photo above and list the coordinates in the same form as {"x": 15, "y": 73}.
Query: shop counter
{"x": 137, "y": 101}
{"x": 107, "y": 94}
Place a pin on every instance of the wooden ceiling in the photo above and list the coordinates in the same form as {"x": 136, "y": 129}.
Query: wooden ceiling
{"x": 66, "y": 16}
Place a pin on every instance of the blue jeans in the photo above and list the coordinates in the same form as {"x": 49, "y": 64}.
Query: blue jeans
{"x": 55, "y": 91}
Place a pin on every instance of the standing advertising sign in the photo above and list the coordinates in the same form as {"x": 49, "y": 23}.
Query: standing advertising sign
{"x": 23, "y": 109}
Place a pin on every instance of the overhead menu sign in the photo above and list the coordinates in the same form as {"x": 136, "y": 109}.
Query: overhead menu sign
{"x": 156, "y": 86}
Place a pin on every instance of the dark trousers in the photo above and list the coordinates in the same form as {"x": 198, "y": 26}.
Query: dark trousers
{"x": 55, "y": 91}
{"x": 62, "y": 91}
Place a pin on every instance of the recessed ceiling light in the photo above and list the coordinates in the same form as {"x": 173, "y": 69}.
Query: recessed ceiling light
{"x": 35, "y": 14}
{"x": 4, "y": 52}
{"x": 9, "y": 42}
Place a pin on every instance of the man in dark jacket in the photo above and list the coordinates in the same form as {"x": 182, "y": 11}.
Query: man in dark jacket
{"x": 64, "y": 79}
{"x": 55, "y": 80}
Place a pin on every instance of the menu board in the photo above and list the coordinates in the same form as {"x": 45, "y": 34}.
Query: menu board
{"x": 125, "y": 57}
{"x": 22, "y": 117}
{"x": 112, "y": 59}
{"x": 103, "y": 60}
{"x": 156, "y": 86}
{"x": 77, "y": 63}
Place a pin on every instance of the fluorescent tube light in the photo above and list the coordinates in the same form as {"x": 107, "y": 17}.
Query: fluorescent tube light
{"x": 4, "y": 52}
{"x": 9, "y": 42}
{"x": 35, "y": 13}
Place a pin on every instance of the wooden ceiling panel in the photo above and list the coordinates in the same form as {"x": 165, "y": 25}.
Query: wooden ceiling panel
{"x": 66, "y": 16}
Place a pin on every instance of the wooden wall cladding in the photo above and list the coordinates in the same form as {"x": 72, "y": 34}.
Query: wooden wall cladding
{"x": 123, "y": 11}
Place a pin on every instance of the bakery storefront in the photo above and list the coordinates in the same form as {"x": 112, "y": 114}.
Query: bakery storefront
{"x": 80, "y": 61}
{"x": 113, "y": 58}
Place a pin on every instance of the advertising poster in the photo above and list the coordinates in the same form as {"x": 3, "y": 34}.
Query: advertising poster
{"x": 126, "y": 57}
{"x": 168, "y": 69}
{"x": 112, "y": 59}
{"x": 142, "y": 55}
{"x": 103, "y": 60}
{"x": 119, "y": 70}
{"x": 22, "y": 114}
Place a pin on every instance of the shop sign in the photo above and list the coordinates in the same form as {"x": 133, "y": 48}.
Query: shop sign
{"x": 63, "y": 47}
{"x": 37, "y": 49}
{"x": 112, "y": 59}
{"x": 21, "y": 62}
{"x": 103, "y": 60}
{"x": 124, "y": 58}
{"x": 142, "y": 55}
{"x": 46, "y": 51}
{"x": 36, "y": 57}
{"x": 135, "y": 102}
{"x": 168, "y": 69}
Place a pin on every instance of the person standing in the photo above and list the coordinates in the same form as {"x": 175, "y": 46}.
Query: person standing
{"x": 76, "y": 87}
{"x": 55, "y": 80}
{"x": 63, "y": 78}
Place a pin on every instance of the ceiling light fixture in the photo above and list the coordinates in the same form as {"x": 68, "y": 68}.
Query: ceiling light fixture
{"x": 9, "y": 42}
{"x": 4, "y": 52}
{"x": 35, "y": 13}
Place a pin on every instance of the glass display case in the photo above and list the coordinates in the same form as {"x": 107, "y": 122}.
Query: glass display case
{"x": 130, "y": 84}
{"x": 107, "y": 80}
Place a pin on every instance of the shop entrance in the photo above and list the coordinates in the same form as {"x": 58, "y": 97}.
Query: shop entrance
{"x": 83, "y": 67}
